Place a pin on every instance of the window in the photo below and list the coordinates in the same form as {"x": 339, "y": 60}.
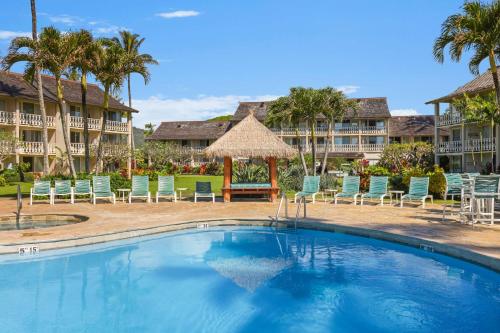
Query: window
{"x": 2, "y": 105}
{"x": 75, "y": 111}
{"x": 456, "y": 135}
{"x": 380, "y": 124}
{"x": 77, "y": 162}
{"x": 185, "y": 143}
{"x": 32, "y": 136}
{"x": 320, "y": 141}
{"x": 395, "y": 139}
{"x": 75, "y": 137}
{"x": 375, "y": 140}
{"x": 204, "y": 143}
{"x": 30, "y": 108}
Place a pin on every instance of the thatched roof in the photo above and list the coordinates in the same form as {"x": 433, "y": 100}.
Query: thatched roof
{"x": 250, "y": 138}
{"x": 189, "y": 130}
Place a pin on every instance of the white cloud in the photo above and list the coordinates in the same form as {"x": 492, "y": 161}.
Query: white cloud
{"x": 404, "y": 112}
{"x": 109, "y": 30}
{"x": 348, "y": 89}
{"x": 156, "y": 109}
{"x": 65, "y": 19}
{"x": 179, "y": 14}
{"x": 5, "y": 34}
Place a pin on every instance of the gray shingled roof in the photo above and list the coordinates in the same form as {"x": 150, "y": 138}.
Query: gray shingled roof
{"x": 481, "y": 83}
{"x": 375, "y": 107}
{"x": 14, "y": 85}
{"x": 190, "y": 130}
{"x": 411, "y": 126}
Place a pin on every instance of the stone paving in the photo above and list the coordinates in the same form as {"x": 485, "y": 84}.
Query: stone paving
{"x": 106, "y": 218}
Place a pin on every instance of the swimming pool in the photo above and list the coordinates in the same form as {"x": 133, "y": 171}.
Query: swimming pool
{"x": 247, "y": 279}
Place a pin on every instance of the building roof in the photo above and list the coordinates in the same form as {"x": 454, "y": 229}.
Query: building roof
{"x": 190, "y": 130}
{"x": 250, "y": 138}
{"x": 374, "y": 107}
{"x": 481, "y": 83}
{"x": 14, "y": 85}
{"x": 411, "y": 125}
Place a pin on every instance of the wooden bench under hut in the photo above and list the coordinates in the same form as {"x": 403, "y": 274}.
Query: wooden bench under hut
{"x": 250, "y": 139}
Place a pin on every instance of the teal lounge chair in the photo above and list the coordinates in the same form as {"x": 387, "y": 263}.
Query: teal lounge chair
{"x": 350, "y": 189}
{"x": 454, "y": 187}
{"x": 102, "y": 189}
{"x": 41, "y": 188}
{"x": 486, "y": 190}
{"x": 63, "y": 188}
{"x": 203, "y": 190}
{"x": 166, "y": 188}
{"x": 140, "y": 188}
{"x": 378, "y": 189}
{"x": 419, "y": 190}
{"x": 310, "y": 188}
{"x": 82, "y": 187}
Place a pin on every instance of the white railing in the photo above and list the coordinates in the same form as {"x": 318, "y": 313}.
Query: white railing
{"x": 372, "y": 147}
{"x": 77, "y": 122}
{"x": 116, "y": 126}
{"x": 7, "y": 147}
{"x": 7, "y": 117}
{"x": 29, "y": 119}
{"x": 346, "y": 130}
{"x": 346, "y": 148}
{"x": 449, "y": 147}
{"x": 77, "y": 148}
{"x": 373, "y": 130}
{"x": 477, "y": 145}
{"x": 193, "y": 150}
{"x": 289, "y": 131}
{"x": 449, "y": 119}
{"x": 26, "y": 147}
{"x": 321, "y": 131}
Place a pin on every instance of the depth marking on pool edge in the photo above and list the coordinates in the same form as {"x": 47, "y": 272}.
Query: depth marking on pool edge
{"x": 28, "y": 250}
{"x": 427, "y": 248}
{"x": 202, "y": 225}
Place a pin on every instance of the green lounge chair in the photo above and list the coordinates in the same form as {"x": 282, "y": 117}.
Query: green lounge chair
{"x": 63, "y": 188}
{"x": 140, "y": 188}
{"x": 454, "y": 187}
{"x": 102, "y": 189}
{"x": 310, "y": 188}
{"x": 350, "y": 189}
{"x": 378, "y": 189}
{"x": 82, "y": 187}
{"x": 486, "y": 190}
{"x": 41, "y": 188}
{"x": 419, "y": 190}
{"x": 166, "y": 188}
{"x": 203, "y": 190}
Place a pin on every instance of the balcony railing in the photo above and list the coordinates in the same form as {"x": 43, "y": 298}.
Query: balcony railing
{"x": 7, "y": 118}
{"x": 28, "y": 119}
{"x": 449, "y": 119}
{"x": 116, "y": 126}
{"x": 346, "y": 147}
{"x": 449, "y": 147}
{"x": 193, "y": 150}
{"x": 373, "y": 147}
{"x": 26, "y": 147}
{"x": 477, "y": 145}
{"x": 322, "y": 131}
{"x": 288, "y": 131}
{"x": 7, "y": 147}
{"x": 77, "y": 122}
{"x": 77, "y": 148}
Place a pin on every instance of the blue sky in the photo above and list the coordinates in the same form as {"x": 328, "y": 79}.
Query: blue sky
{"x": 213, "y": 54}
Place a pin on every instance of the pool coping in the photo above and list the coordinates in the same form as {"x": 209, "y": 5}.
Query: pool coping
{"x": 424, "y": 244}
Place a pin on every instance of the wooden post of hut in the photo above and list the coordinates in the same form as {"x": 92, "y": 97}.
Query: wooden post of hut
{"x": 273, "y": 177}
{"x": 228, "y": 175}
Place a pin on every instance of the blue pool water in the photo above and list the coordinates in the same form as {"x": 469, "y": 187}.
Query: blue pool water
{"x": 247, "y": 280}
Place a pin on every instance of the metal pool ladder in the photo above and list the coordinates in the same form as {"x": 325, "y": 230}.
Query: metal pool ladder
{"x": 277, "y": 216}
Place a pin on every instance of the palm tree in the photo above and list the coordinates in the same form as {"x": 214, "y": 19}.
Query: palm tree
{"x": 84, "y": 62}
{"x": 136, "y": 63}
{"x": 25, "y": 49}
{"x": 477, "y": 28}
{"x": 110, "y": 71}
{"x": 149, "y": 129}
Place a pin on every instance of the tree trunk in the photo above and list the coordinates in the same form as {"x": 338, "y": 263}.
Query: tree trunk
{"x": 83, "y": 85}
{"x": 325, "y": 157}
{"x": 301, "y": 153}
{"x": 105, "y": 107}
{"x": 313, "y": 139}
{"x": 494, "y": 73}
{"x": 130, "y": 114}
{"x": 45, "y": 136}
{"x": 64, "y": 124}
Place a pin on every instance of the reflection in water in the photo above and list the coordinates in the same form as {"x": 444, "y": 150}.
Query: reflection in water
{"x": 248, "y": 280}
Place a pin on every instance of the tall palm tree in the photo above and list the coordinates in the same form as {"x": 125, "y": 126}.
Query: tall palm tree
{"x": 84, "y": 61}
{"x": 25, "y": 49}
{"x": 477, "y": 28}
{"x": 110, "y": 71}
{"x": 136, "y": 63}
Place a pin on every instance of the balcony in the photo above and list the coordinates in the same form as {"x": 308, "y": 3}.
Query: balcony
{"x": 116, "y": 126}
{"x": 478, "y": 145}
{"x": 77, "y": 148}
{"x": 323, "y": 131}
{"x": 34, "y": 120}
{"x": 34, "y": 148}
{"x": 7, "y": 118}
{"x": 289, "y": 131}
{"x": 77, "y": 122}
{"x": 7, "y": 147}
{"x": 449, "y": 119}
{"x": 372, "y": 147}
{"x": 347, "y": 148}
{"x": 449, "y": 147}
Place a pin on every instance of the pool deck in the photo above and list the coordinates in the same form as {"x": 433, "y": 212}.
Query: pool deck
{"x": 108, "y": 222}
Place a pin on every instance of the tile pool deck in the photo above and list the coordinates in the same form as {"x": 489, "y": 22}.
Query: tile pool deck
{"x": 110, "y": 222}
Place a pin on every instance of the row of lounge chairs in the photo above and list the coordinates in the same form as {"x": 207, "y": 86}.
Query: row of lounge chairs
{"x": 101, "y": 189}
{"x": 378, "y": 189}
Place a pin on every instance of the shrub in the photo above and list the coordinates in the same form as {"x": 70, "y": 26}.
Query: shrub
{"x": 367, "y": 172}
{"x": 290, "y": 178}
{"x": 398, "y": 157}
{"x": 250, "y": 173}
{"x": 11, "y": 175}
{"x": 186, "y": 169}
{"x": 437, "y": 182}
{"x": 214, "y": 169}
{"x": 203, "y": 169}
{"x": 3, "y": 182}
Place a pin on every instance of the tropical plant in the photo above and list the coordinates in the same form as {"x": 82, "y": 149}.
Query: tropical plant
{"x": 399, "y": 157}
{"x": 250, "y": 173}
{"x": 477, "y": 28}
{"x": 149, "y": 129}
{"x": 8, "y": 144}
{"x": 160, "y": 154}
{"x": 83, "y": 63}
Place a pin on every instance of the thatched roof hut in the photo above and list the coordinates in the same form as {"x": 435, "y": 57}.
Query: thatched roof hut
{"x": 250, "y": 138}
